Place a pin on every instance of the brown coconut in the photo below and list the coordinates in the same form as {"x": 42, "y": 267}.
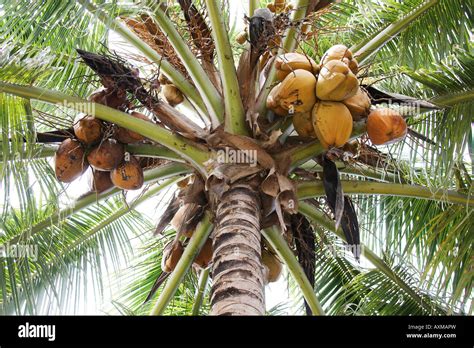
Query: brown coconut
{"x": 101, "y": 181}
{"x": 172, "y": 95}
{"x": 69, "y": 161}
{"x": 272, "y": 265}
{"x": 88, "y": 130}
{"x": 385, "y": 126}
{"x": 128, "y": 175}
{"x": 127, "y": 136}
{"x": 172, "y": 252}
{"x": 107, "y": 155}
{"x": 204, "y": 258}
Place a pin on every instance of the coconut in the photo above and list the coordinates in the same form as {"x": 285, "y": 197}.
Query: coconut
{"x": 385, "y": 126}
{"x": 295, "y": 93}
{"x": 128, "y": 175}
{"x": 69, "y": 161}
{"x": 358, "y": 105}
{"x": 107, "y": 155}
{"x": 336, "y": 82}
{"x": 303, "y": 124}
{"x": 204, "y": 258}
{"x": 172, "y": 95}
{"x": 127, "y": 136}
{"x": 341, "y": 53}
{"x": 241, "y": 38}
{"x": 88, "y": 130}
{"x": 332, "y": 122}
{"x": 172, "y": 252}
{"x": 101, "y": 181}
{"x": 289, "y": 62}
{"x": 273, "y": 105}
{"x": 273, "y": 266}
{"x": 163, "y": 80}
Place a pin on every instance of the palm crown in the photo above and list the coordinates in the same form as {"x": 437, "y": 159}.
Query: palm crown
{"x": 407, "y": 204}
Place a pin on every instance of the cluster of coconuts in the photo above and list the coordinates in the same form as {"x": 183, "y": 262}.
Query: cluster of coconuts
{"x": 101, "y": 145}
{"x": 324, "y": 99}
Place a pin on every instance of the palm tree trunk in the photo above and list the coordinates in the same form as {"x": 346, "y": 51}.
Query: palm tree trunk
{"x": 238, "y": 287}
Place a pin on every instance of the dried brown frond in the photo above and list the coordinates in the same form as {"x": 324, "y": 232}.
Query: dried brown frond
{"x": 148, "y": 31}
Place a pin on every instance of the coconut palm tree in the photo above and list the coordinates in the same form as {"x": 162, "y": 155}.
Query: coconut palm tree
{"x": 408, "y": 203}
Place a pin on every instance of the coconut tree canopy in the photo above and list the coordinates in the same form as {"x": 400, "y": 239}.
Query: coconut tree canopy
{"x": 325, "y": 145}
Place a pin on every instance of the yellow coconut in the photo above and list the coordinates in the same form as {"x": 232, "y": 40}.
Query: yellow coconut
{"x": 332, "y": 122}
{"x": 303, "y": 124}
{"x": 289, "y": 62}
{"x": 296, "y": 93}
{"x": 272, "y": 103}
{"x": 172, "y": 252}
{"x": 358, "y": 105}
{"x": 336, "y": 82}
{"x": 341, "y": 53}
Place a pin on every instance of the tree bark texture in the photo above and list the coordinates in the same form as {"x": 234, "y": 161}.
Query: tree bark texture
{"x": 238, "y": 285}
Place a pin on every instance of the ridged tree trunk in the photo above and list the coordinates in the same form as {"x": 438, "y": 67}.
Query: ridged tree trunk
{"x": 238, "y": 287}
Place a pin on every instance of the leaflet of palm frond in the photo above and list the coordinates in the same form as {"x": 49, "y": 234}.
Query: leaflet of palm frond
{"x": 168, "y": 215}
{"x": 350, "y": 227}
{"x": 420, "y": 136}
{"x": 380, "y": 97}
{"x": 115, "y": 70}
{"x": 160, "y": 280}
{"x": 198, "y": 29}
{"x": 333, "y": 189}
{"x": 305, "y": 247}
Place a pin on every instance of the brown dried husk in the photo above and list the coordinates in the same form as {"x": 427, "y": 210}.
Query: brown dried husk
{"x": 273, "y": 266}
{"x": 204, "y": 258}
{"x": 172, "y": 253}
{"x": 172, "y": 95}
